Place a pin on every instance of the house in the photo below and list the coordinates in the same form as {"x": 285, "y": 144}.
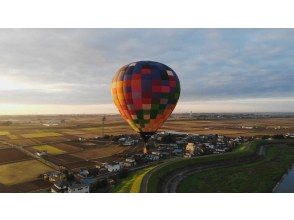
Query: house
{"x": 84, "y": 173}
{"x": 130, "y": 162}
{"x": 60, "y": 187}
{"x": 53, "y": 176}
{"x": 187, "y": 155}
{"x": 41, "y": 153}
{"x": 178, "y": 152}
{"x": 153, "y": 157}
{"x": 81, "y": 139}
{"x": 156, "y": 153}
{"x": 128, "y": 143}
{"x": 113, "y": 167}
{"x": 121, "y": 140}
{"x": 190, "y": 148}
{"x": 78, "y": 188}
{"x": 160, "y": 154}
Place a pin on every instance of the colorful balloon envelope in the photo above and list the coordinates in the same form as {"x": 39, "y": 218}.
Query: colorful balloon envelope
{"x": 145, "y": 94}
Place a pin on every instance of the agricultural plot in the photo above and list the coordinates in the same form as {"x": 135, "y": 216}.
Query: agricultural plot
{"x": 20, "y": 172}
{"x": 8, "y": 135}
{"x": 48, "y": 148}
{"x": 69, "y": 161}
{"x": 10, "y": 155}
{"x": 41, "y": 134}
{"x": 90, "y": 144}
{"x": 233, "y": 127}
{"x": 67, "y": 147}
{"x": 30, "y": 186}
{"x": 100, "y": 152}
{"x": 25, "y": 142}
{"x": 74, "y": 132}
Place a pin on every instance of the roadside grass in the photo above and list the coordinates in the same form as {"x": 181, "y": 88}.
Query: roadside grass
{"x": 132, "y": 183}
{"x": 243, "y": 150}
{"x": 50, "y": 149}
{"x": 19, "y": 172}
{"x": 137, "y": 183}
{"x": 259, "y": 176}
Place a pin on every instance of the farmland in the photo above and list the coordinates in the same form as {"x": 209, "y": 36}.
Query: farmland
{"x": 100, "y": 152}
{"x": 49, "y": 149}
{"x": 41, "y": 134}
{"x": 70, "y": 141}
{"x": 20, "y": 172}
{"x": 10, "y": 155}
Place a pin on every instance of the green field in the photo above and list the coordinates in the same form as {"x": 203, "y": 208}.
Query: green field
{"x": 132, "y": 183}
{"x": 20, "y": 172}
{"x": 155, "y": 179}
{"x": 2, "y": 133}
{"x": 260, "y": 176}
{"x": 41, "y": 134}
{"x": 6, "y": 133}
{"x": 50, "y": 149}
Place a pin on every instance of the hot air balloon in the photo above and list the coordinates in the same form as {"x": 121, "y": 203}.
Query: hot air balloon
{"x": 145, "y": 93}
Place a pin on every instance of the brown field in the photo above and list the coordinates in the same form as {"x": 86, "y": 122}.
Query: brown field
{"x": 69, "y": 161}
{"x": 30, "y": 186}
{"x": 10, "y": 155}
{"x": 50, "y": 149}
{"x": 233, "y": 127}
{"x": 100, "y": 152}
{"x": 63, "y": 159}
{"x": 67, "y": 147}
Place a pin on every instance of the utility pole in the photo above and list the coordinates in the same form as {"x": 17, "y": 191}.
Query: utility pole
{"x": 103, "y": 121}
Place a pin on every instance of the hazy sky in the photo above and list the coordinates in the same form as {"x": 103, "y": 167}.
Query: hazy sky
{"x": 221, "y": 70}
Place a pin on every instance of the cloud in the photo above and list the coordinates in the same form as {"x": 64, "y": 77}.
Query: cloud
{"x": 75, "y": 66}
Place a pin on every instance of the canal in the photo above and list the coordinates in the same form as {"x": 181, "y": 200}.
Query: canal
{"x": 287, "y": 183}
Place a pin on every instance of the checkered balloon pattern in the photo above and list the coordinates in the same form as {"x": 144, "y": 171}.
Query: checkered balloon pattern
{"x": 145, "y": 94}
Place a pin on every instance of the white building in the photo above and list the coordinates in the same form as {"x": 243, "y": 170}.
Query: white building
{"x": 59, "y": 187}
{"x": 113, "y": 167}
{"x": 78, "y": 188}
{"x": 41, "y": 153}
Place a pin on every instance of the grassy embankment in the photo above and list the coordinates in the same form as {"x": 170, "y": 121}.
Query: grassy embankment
{"x": 260, "y": 176}
{"x": 158, "y": 176}
{"x": 132, "y": 183}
